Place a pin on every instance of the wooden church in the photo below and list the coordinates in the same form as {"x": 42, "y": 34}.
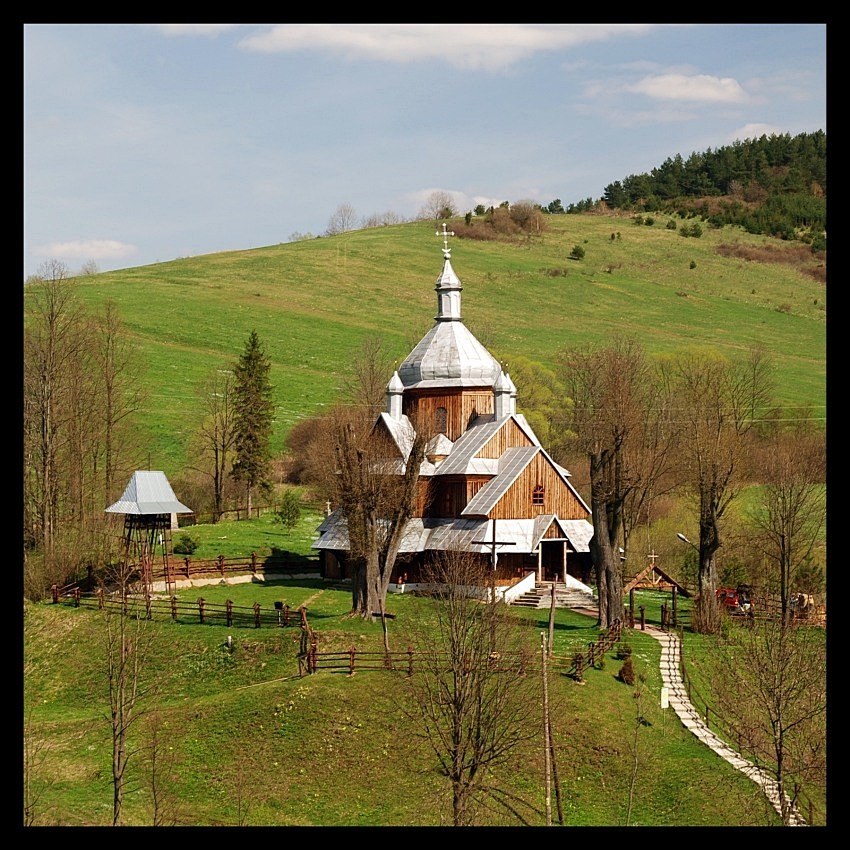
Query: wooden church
{"x": 492, "y": 487}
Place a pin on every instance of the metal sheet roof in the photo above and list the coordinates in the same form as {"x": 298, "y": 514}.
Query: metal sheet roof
{"x": 148, "y": 493}
{"x": 467, "y": 535}
{"x": 511, "y": 464}
{"x": 449, "y": 356}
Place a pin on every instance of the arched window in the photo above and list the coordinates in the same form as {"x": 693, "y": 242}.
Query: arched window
{"x": 538, "y": 495}
{"x": 442, "y": 418}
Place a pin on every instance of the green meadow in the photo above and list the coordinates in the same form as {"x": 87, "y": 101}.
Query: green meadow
{"x": 313, "y": 303}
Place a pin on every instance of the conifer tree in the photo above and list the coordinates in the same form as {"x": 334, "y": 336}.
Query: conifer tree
{"x": 254, "y": 411}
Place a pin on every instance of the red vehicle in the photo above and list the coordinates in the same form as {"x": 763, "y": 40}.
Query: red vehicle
{"x": 737, "y": 601}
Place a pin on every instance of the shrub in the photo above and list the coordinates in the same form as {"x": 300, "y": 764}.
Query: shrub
{"x": 693, "y": 264}
{"x": 671, "y": 224}
{"x": 289, "y": 510}
{"x": 627, "y": 672}
{"x": 624, "y": 650}
{"x": 577, "y": 253}
{"x": 186, "y": 544}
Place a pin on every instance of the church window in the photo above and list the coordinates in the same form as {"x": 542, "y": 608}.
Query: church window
{"x": 538, "y": 495}
{"x": 442, "y": 422}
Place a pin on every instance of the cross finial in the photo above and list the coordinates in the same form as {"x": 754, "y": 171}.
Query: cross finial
{"x": 447, "y": 252}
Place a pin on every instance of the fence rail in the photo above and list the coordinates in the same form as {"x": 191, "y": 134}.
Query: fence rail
{"x": 201, "y": 611}
{"x": 352, "y": 660}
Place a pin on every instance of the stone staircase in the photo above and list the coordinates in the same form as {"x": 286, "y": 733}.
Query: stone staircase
{"x": 540, "y": 597}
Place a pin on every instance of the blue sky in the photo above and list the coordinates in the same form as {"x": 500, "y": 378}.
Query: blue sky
{"x": 144, "y": 143}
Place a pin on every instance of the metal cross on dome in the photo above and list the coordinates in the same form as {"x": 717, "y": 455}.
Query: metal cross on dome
{"x": 447, "y": 252}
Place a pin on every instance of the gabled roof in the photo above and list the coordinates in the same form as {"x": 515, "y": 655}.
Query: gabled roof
{"x": 462, "y": 460}
{"x": 541, "y": 526}
{"x": 511, "y": 464}
{"x": 401, "y": 430}
{"x": 148, "y": 493}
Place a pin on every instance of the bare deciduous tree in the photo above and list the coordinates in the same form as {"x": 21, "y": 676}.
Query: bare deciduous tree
{"x": 473, "y": 693}
{"x": 217, "y": 433}
{"x": 343, "y": 219}
{"x": 127, "y": 643}
{"x": 769, "y": 680}
{"x": 376, "y": 491}
{"x": 718, "y": 401}
{"x": 438, "y": 205}
{"x": 53, "y": 339}
{"x": 160, "y": 766}
{"x": 119, "y": 380}
{"x": 791, "y": 510}
{"x": 608, "y": 387}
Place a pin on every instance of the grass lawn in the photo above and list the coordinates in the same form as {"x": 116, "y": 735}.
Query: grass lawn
{"x": 250, "y": 742}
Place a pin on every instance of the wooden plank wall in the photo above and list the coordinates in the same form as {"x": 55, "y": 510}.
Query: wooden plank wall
{"x": 558, "y": 499}
{"x": 461, "y": 408}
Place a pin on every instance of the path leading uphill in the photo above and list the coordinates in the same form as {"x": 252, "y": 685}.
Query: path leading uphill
{"x": 691, "y": 719}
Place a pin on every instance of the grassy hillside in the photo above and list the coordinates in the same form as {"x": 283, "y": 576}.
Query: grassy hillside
{"x": 245, "y": 741}
{"x": 313, "y": 302}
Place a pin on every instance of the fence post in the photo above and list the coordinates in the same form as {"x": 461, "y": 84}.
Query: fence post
{"x": 76, "y": 597}
{"x": 55, "y": 591}
{"x": 286, "y": 610}
{"x": 148, "y": 606}
{"x": 409, "y": 661}
{"x": 313, "y": 660}
{"x": 663, "y": 615}
{"x": 186, "y": 566}
{"x": 642, "y": 618}
{"x": 254, "y": 563}
{"x": 256, "y": 615}
{"x": 590, "y": 649}
{"x": 99, "y": 592}
{"x": 174, "y": 608}
{"x": 201, "y": 608}
{"x": 221, "y": 564}
{"x": 675, "y": 609}
{"x": 303, "y": 611}
{"x": 351, "y": 653}
{"x": 229, "y": 605}
{"x": 578, "y": 660}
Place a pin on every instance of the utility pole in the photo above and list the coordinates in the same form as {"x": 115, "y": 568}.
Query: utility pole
{"x": 546, "y": 742}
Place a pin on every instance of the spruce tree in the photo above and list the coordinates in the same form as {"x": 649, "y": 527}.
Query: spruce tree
{"x": 254, "y": 411}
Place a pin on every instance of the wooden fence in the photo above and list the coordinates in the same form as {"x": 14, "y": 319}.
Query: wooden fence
{"x": 195, "y": 568}
{"x": 352, "y": 660}
{"x": 200, "y": 611}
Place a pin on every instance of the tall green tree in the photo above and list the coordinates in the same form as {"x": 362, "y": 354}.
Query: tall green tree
{"x": 254, "y": 416}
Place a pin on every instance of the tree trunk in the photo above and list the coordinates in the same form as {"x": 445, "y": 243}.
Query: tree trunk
{"x": 708, "y": 614}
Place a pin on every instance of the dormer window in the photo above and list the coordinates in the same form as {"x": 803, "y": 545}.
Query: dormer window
{"x": 442, "y": 420}
{"x": 538, "y": 495}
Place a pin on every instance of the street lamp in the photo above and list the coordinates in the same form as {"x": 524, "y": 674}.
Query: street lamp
{"x": 685, "y": 540}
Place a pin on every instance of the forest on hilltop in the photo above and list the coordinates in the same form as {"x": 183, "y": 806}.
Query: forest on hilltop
{"x": 774, "y": 185}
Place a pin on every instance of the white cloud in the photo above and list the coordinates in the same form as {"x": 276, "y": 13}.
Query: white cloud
{"x": 87, "y": 249}
{"x": 755, "y": 131}
{"x": 693, "y": 87}
{"x": 194, "y": 29}
{"x": 472, "y": 46}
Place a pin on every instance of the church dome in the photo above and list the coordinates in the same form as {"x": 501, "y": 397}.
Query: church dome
{"x": 449, "y": 356}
